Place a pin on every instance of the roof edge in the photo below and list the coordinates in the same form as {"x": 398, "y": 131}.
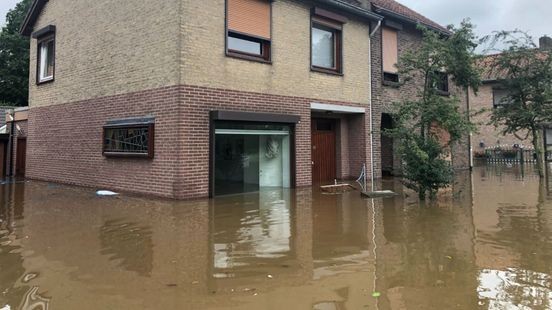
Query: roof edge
{"x": 31, "y": 17}
{"x": 389, "y": 13}
{"x": 352, "y": 9}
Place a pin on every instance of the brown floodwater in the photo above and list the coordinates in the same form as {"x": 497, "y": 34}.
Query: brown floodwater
{"x": 485, "y": 244}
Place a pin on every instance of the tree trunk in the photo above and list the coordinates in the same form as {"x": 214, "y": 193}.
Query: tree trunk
{"x": 539, "y": 150}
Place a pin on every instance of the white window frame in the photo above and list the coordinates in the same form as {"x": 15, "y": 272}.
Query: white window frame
{"x": 43, "y": 58}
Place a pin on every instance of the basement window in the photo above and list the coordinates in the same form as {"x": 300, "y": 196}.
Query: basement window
{"x": 129, "y": 138}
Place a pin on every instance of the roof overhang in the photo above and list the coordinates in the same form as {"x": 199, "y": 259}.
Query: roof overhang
{"x": 29, "y": 21}
{"x": 343, "y": 6}
{"x": 390, "y": 14}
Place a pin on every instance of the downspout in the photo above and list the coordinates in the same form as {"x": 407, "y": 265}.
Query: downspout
{"x": 10, "y": 169}
{"x": 372, "y": 170}
{"x": 470, "y": 137}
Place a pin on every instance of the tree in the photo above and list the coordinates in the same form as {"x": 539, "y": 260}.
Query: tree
{"x": 421, "y": 121}
{"x": 526, "y": 73}
{"x": 14, "y": 58}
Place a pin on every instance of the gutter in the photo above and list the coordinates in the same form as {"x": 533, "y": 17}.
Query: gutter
{"x": 31, "y": 17}
{"x": 403, "y": 18}
{"x": 352, "y": 9}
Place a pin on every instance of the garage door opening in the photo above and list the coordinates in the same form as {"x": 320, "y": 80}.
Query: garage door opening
{"x": 251, "y": 157}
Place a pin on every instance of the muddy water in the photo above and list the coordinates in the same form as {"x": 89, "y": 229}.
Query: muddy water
{"x": 486, "y": 244}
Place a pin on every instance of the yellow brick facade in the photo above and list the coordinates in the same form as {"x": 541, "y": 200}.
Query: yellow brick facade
{"x": 107, "y": 47}
{"x": 204, "y": 62}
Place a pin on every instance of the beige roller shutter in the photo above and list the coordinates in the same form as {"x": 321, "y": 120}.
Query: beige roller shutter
{"x": 250, "y": 17}
{"x": 390, "y": 51}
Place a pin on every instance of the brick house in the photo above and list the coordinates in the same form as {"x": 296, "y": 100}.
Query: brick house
{"x": 489, "y": 97}
{"x": 161, "y": 98}
{"x": 396, "y": 36}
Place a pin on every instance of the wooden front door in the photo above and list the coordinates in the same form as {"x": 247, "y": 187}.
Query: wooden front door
{"x": 323, "y": 150}
{"x": 20, "y": 157}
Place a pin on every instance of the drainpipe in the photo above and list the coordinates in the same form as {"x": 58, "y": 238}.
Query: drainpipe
{"x": 372, "y": 172}
{"x": 10, "y": 171}
{"x": 470, "y": 137}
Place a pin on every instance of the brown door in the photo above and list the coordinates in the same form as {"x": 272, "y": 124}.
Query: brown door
{"x": 323, "y": 150}
{"x": 20, "y": 157}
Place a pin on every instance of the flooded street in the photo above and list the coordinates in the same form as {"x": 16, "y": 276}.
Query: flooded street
{"x": 487, "y": 244}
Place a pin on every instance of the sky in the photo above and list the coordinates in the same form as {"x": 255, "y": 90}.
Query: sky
{"x": 5, "y": 6}
{"x": 532, "y": 16}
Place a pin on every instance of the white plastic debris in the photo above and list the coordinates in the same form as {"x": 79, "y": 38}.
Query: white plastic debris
{"x": 104, "y": 193}
{"x": 6, "y": 307}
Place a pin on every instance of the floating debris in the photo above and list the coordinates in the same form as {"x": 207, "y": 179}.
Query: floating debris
{"x": 29, "y": 277}
{"x": 269, "y": 276}
{"x": 379, "y": 194}
{"x": 106, "y": 193}
{"x": 376, "y": 294}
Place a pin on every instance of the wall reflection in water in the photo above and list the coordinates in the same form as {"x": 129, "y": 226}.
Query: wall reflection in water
{"x": 486, "y": 243}
{"x": 250, "y": 230}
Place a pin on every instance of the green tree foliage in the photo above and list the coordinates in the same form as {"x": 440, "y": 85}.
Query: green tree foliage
{"x": 526, "y": 73}
{"x": 421, "y": 121}
{"x": 14, "y": 58}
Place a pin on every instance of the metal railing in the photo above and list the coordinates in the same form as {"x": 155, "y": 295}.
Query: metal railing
{"x": 510, "y": 155}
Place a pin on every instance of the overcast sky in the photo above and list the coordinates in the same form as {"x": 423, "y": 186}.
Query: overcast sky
{"x": 489, "y": 15}
{"x": 532, "y": 16}
{"x": 5, "y": 6}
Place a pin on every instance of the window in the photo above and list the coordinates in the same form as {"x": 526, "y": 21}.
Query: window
{"x": 500, "y": 97}
{"x": 129, "y": 138}
{"x": 326, "y": 52}
{"x": 248, "y": 29}
{"x": 441, "y": 82}
{"x": 390, "y": 54}
{"x": 45, "y": 54}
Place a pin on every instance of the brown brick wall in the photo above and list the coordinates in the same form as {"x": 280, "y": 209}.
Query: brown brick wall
{"x": 65, "y": 143}
{"x": 66, "y": 140}
{"x": 486, "y": 133}
{"x": 383, "y": 97}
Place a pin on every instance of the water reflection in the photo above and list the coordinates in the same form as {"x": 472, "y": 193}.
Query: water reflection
{"x": 251, "y": 230}
{"x": 515, "y": 289}
{"x": 486, "y": 243}
{"x": 129, "y": 243}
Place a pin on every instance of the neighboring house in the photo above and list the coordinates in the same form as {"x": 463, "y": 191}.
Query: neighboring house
{"x": 491, "y": 96}
{"x": 397, "y": 35}
{"x": 188, "y": 99}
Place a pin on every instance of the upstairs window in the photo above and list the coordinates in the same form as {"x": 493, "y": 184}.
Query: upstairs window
{"x": 248, "y": 29}
{"x": 390, "y": 54}
{"x": 500, "y": 97}
{"x": 45, "y": 54}
{"x": 441, "y": 82}
{"x": 326, "y": 42}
